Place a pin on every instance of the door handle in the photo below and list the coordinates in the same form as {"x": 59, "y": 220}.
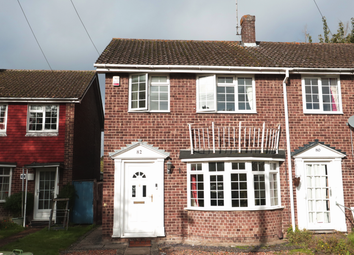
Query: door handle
{"x": 152, "y": 198}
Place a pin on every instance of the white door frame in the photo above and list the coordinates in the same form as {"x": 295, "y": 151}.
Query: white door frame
{"x": 146, "y": 154}
{"x": 321, "y": 154}
{"x": 43, "y": 215}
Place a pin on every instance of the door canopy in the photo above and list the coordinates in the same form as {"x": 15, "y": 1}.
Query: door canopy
{"x": 139, "y": 150}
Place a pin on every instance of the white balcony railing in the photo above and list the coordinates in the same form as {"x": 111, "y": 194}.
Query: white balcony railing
{"x": 239, "y": 138}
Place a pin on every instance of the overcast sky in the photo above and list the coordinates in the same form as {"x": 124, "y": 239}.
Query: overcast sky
{"x": 67, "y": 46}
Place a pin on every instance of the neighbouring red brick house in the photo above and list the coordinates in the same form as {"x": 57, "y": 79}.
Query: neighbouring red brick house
{"x": 226, "y": 141}
{"x": 50, "y": 124}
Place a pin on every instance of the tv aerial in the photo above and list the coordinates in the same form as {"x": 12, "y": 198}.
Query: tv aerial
{"x": 237, "y": 33}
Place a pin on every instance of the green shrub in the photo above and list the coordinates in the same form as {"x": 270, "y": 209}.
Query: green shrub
{"x": 14, "y": 203}
{"x": 299, "y": 237}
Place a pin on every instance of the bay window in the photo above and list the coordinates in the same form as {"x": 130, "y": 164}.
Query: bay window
{"x": 321, "y": 95}
{"x": 225, "y": 93}
{"x": 149, "y": 93}
{"x": 233, "y": 185}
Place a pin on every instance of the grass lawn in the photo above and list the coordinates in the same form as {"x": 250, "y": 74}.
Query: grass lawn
{"x": 8, "y": 228}
{"x": 48, "y": 242}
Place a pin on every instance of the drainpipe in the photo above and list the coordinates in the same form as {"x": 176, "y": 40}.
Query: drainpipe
{"x": 288, "y": 148}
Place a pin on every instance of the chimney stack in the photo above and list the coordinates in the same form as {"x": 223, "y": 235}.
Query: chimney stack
{"x": 248, "y": 30}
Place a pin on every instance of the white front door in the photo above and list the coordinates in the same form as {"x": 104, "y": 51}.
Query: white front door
{"x": 44, "y": 193}
{"x": 319, "y": 196}
{"x": 140, "y": 200}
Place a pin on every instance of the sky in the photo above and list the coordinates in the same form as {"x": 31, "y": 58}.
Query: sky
{"x": 67, "y": 46}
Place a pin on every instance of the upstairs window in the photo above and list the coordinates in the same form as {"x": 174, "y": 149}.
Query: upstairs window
{"x": 5, "y": 183}
{"x": 321, "y": 95}
{"x": 3, "y": 118}
{"x": 225, "y": 93}
{"x": 150, "y": 93}
{"x": 43, "y": 118}
{"x": 233, "y": 185}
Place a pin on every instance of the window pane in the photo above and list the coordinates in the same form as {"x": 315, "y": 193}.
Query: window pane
{"x": 245, "y": 94}
{"x": 330, "y": 95}
{"x": 197, "y": 190}
{"x": 206, "y": 92}
{"x": 217, "y": 190}
{"x": 226, "y": 98}
{"x": 259, "y": 190}
{"x": 273, "y": 189}
{"x": 239, "y": 190}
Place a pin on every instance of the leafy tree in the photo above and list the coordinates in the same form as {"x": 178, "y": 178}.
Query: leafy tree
{"x": 342, "y": 36}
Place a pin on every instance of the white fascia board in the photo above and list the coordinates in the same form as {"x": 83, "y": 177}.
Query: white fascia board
{"x": 38, "y": 100}
{"x": 106, "y": 68}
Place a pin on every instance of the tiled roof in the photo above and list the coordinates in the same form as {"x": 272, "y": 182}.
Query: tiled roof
{"x": 44, "y": 83}
{"x": 227, "y": 53}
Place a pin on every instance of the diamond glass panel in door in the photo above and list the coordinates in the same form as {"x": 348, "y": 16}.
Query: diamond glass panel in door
{"x": 46, "y": 189}
{"x": 318, "y": 193}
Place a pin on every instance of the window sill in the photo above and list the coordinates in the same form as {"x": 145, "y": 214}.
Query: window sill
{"x": 148, "y": 111}
{"x": 306, "y": 112}
{"x": 261, "y": 208}
{"x": 3, "y": 134}
{"x": 229, "y": 112}
{"x": 39, "y": 134}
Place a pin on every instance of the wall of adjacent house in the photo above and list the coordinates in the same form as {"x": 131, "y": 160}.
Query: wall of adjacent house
{"x": 332, "y": 129}
{"x": 18, "y": 148}
{"x": 87, "y": 137}
{"x": 169, "y": 131}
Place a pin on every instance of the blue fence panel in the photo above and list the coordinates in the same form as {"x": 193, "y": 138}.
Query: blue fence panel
{"x": 83, "y": 208}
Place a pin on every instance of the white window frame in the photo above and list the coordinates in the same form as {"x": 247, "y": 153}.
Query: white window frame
{"x": 320, "y": 97}
{"x": 3, "y": 131}
{"x": 251, "y": 205}
{"x": 43, "y": 131}
{"x": 149, "y": 84}
{"x": 213, "y": 82}
{"x": 10, "y": 180}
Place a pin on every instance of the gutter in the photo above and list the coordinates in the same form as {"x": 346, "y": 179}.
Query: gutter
{"x": 288, "y": 150}
{"x": 38, "y": 100}
{"x": 104, "y": 68}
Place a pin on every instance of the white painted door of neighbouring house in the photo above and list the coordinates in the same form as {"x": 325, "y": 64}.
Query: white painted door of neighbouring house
{"x": 44, "y": 193}
{"x": 319, "y": 196}
{"x": 140, "y": 205}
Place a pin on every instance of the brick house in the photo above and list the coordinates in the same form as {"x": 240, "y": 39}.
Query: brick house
{"x": 226, "y": 141}
{"x": 50, "y": 124}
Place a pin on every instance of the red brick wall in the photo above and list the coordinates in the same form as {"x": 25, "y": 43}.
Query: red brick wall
{"x": 330, "y": 129}
{"x": 236, "y": 226}
{"x": 22, "y": 149}
{"x": 169, "y": 131}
